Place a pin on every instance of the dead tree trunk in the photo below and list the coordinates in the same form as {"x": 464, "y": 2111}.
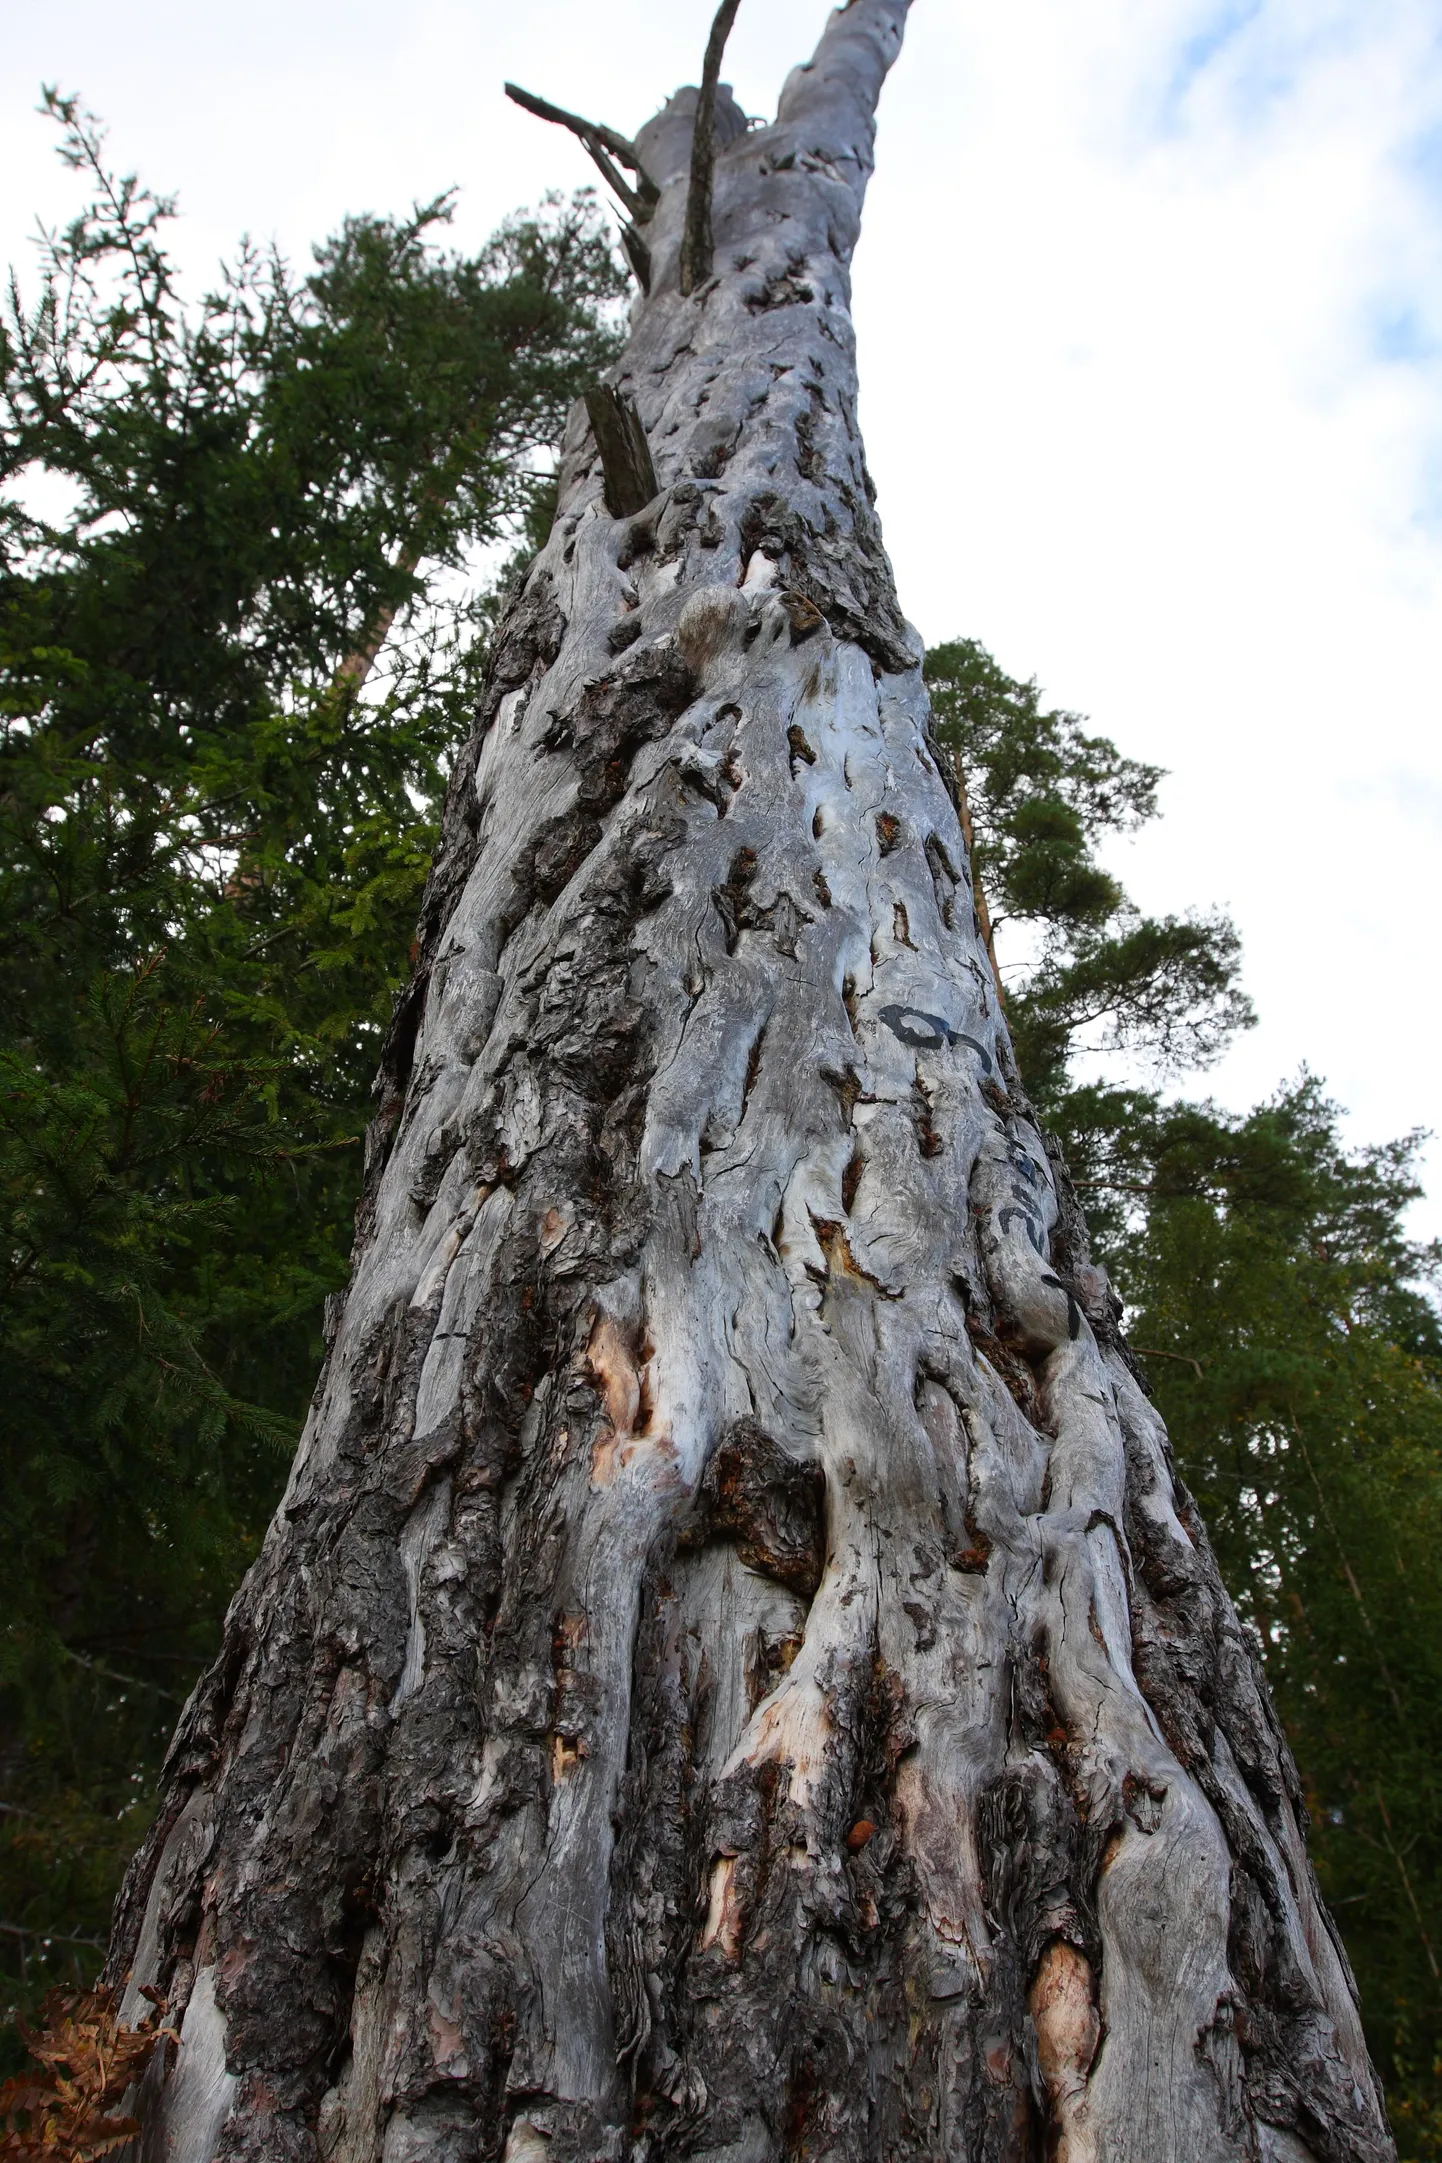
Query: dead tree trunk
{"x": 733, "y": 1675}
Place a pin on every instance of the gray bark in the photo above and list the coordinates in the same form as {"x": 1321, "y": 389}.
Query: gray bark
{"x": 734, "y": 1674}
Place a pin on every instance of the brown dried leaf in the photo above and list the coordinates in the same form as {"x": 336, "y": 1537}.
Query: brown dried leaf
{"x": 62, "y": 2114}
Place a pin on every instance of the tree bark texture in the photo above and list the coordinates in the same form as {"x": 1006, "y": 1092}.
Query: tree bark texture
{"x": 734, "y": 1674}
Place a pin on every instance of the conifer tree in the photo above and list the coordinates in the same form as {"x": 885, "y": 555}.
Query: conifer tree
{"x": 734, "y": 1672}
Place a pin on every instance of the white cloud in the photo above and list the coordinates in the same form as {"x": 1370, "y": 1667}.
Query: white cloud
{"x": 1151, "y": 328}
{"x": 1184, "y": 467}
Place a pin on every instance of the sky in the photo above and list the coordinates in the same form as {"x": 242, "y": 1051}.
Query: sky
{"x": 1149, "y": 306}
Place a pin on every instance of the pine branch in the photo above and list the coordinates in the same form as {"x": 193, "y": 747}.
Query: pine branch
{"x": 1151, "y": 1351}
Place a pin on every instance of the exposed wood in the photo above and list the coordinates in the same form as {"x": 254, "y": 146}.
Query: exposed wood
{"x": 696, "y": 241}
{"x": 629, "y": 477}
{"x": 734, "y": 1675}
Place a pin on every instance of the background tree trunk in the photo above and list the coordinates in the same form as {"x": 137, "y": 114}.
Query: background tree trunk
{"x": 733, "y": 1674}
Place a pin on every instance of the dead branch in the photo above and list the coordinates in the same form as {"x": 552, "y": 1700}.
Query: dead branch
{"x": 604, "y": 145}
{"x": 696, "y": 241}
{"x": 1151, "y": 1351}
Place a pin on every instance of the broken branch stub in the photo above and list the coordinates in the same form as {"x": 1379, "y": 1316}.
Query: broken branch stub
{"x": 629, "y": 477}
{"x": 696, "y": 241}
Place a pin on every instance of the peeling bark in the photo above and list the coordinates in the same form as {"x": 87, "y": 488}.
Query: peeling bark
{"x": 734, "y": 1674}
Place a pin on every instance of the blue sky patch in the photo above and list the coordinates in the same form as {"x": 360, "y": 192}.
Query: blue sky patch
{"x": 1422, "y": 160}
{"x": 1216, "y": 33}
{"x": 1401, "y": 334}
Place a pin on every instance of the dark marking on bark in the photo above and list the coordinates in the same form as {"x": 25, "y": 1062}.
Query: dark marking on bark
{"x": 928, "y": 1032}
{"x": 1012, "y": 1370}
{"x": 1073, "y": 1311}
{"x": 732, "y": 898}
{"x": 846, "y": 576}
{"x": 782, "y": 290}
{"x": 800, "y": 749}
{"x": 851, "y": 1180}
{"x": 771, "y": 1503}
{"x": 921, "y": 1031}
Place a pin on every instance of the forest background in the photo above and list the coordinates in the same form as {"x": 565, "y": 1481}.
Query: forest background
{"x": 1150, "y": 314}
{"x": 241, "y": 630}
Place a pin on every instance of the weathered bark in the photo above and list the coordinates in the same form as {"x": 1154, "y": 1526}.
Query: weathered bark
{"x": 734, "y": 1674}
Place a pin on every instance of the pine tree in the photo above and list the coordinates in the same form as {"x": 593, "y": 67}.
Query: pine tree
{"x": 733, "y": 1673}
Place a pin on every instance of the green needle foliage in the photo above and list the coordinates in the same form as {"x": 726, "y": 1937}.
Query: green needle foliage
{"x": 1287, "y": 1323}
{"x": 238, "y": 643}
{"x": 1090, "y": 968}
